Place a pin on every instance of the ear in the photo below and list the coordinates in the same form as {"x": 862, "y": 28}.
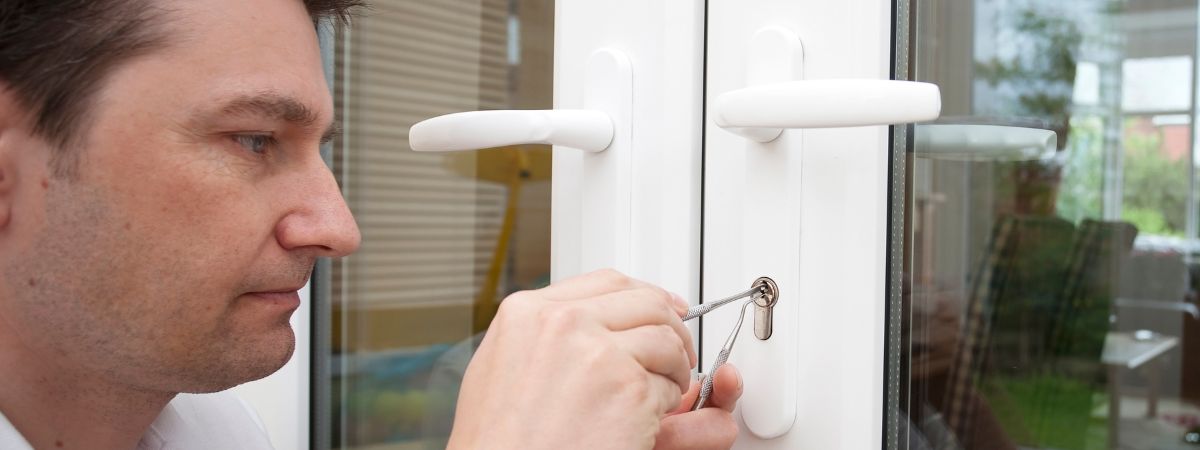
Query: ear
{"x": 14, "y": 151}
{"x": 6, "y": 188}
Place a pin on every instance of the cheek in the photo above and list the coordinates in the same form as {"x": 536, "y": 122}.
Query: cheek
{"x": 164, "y": 179}
{"x": 200, "y": 233}
{"x": 198, "y": 200}
{"x": 178, "y": 189}
{"x": 203, "y": 212}
{"x": 88, "y": 276}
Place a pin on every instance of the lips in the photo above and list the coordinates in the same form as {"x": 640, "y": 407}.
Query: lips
{"x": 287, "y": 298}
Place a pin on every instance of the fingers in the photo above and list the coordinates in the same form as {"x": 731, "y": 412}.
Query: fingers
{"x": 665, "y": 392}
{"x": 639, "y": 307}
{"x": 727, "y": 388}
{"x": 689, "y": 398}
{"x": 711, "y": 427}
{"x": 632, "y": 308}
{"x": 706, "y": 429}
{"x": 625, "y": 310}
{"x": 660, "y": 351}
{"x": 602, "y": 282}
{"x": 645, "y": 321}
{"x": 590, "y": 285}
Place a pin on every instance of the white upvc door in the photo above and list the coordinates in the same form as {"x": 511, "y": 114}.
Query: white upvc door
{"x": 659, "y": 174}
{"x": 656, "y": 200}
{"x": 808, "y": 209}
{"x": 796, "y": 188}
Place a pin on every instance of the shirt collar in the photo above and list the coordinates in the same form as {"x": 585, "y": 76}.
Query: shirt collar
{"x": 10, "y": 438}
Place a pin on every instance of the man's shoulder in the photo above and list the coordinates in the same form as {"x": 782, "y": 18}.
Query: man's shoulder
{"x": 204, "y": 421}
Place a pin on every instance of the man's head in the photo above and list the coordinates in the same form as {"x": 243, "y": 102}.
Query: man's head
{"x": 161, "y": 191}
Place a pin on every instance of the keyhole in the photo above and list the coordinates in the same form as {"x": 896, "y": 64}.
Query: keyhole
{"x": 764, "y": 306}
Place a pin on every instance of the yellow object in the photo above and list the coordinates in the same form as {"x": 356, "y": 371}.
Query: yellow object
{"x": 511, "y": 166}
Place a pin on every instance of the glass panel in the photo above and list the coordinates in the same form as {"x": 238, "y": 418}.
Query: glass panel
{"x": 445, "y": 236}
{"x": 1051, "y": 249}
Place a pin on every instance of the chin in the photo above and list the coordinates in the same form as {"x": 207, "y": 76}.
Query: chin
{"x": 243, "y": 361}
{"x": 270, "y": 355}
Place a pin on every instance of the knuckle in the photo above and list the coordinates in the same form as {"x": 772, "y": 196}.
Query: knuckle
{"x": 515, "y": 307}
{"x": 637, "y": 386}
{"x": 686, "y": 338}
{"x": 669, "y": 396}
{"x": 594, "y": 357}
{"x": 662, "y": 299}
{"x": 668, "y": 336}
{"x": 685, "y": 361}
{"x": 644, "y": 388}
{"x": 652, "y": 292}
{"x": 660, "y": 293}
{"x": 517, "y": 300}
{"x": 657, "y": 297}
{"x": 560, "y": 318}
{"x": 668, "y": 311}
{"x": 611, "y": 277}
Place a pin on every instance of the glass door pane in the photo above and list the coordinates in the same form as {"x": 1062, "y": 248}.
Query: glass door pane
{"x": 445, "y": 235}
{"x": 1050, "y": 248}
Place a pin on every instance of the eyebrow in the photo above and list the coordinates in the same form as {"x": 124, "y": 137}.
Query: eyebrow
{"x": 281, "y": 107}
{"x": 333, "y": 131}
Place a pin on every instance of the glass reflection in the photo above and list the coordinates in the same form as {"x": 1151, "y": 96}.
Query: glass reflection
{"x": 445, "y": 236}
{"x": 1050, "y": 290}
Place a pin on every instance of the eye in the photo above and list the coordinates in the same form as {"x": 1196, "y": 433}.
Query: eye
{"x": 255, "y": 143}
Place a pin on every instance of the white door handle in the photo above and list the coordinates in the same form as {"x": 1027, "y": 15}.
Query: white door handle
{"x": 762, "y": 112}
{"x": 598, "y": 177}
{"x": 586, "y": 130}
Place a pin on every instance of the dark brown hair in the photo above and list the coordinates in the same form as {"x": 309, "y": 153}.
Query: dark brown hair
{"x": 56, "y": 54}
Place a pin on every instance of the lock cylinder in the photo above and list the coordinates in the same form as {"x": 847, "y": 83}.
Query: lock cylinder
{"x": 764, "y": 305}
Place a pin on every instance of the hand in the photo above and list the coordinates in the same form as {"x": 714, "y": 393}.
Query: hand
{"x": 710, "y": 428}
{"x": 591, "y": 362}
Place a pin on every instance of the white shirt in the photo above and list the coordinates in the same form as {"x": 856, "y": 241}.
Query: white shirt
{"x": 190, "y": 421}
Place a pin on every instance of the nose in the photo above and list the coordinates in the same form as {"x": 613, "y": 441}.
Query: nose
{"x": 320, "y": 221}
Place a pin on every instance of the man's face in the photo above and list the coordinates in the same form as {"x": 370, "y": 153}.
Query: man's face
{"x": 170, "y": 260}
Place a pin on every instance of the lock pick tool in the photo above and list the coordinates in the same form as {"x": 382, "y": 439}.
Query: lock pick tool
{"x": 705, "y": 308}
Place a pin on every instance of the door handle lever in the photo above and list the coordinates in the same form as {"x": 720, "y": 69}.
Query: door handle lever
{"x": 762, "y": 112}
{"x": 587, "y": 130}
{"x": 600, "y": 176}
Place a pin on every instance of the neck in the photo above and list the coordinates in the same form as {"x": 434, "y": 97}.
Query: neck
{"x": 55, "y": 405}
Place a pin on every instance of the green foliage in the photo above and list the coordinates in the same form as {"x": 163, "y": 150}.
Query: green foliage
{"x": 1156, "y": 187}
{"x": 1035, "y": 82}
{"x": 1155, "y": 192}
{"x": 1043, "y": 72}
{"x": 1081, "y": 194}
{"x": 1149, "y": 221}
{"x": 1049, "y": 411}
